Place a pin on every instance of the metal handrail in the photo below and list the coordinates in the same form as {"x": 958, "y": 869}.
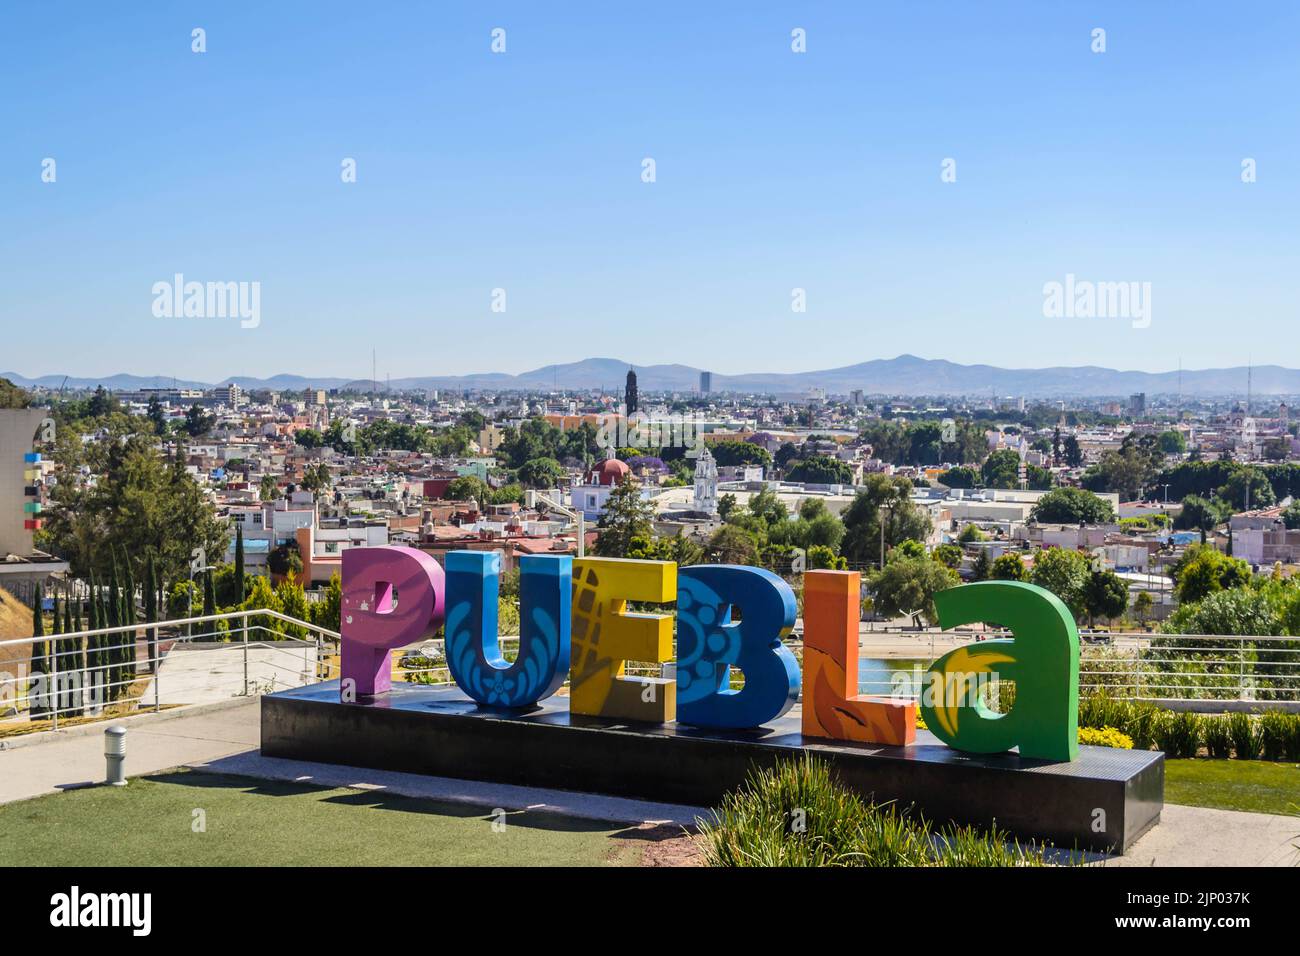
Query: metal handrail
{"x": 177, "y": 622}
{"x": 76, "y": 689}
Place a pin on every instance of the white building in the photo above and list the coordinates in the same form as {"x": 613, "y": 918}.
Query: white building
{"x": 706, "y": 484}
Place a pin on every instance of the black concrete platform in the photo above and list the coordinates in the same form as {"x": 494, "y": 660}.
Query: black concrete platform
{"x": 1103, "y": 801}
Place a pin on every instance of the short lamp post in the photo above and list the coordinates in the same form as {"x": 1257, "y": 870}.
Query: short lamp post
{"x": 115, "y": 755}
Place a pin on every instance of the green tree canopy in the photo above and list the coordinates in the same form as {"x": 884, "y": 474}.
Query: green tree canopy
{"x": 1072, "y": 506}
{"x": 1247, "y": 488}
{"x": 1200, "y": 514}
{"x": 1105, "y": 595}
{"x": 731, "y": 545}
{"x": 11, "y": 396}
{"x": 821, "y": 470}
{"x": 541, "y": 473}
{"x": 908, "y": 585}
{"x": 962, "y": 476}
{"x": 1203, "y": 570}
{"x": 1009, "y": 567}
{"x": 466, "y": 487}
{"x": 883, "y": 500}
{"x": 1065, "y": 574}
{"x": 949, "y": 554}
{"x": 1172, "y": 442}
{"x": 1235, "y": 611}
{"x": 626, "y": 516}
{"x": 138, "y": 502}
{"x": 739, "y": 453}
{"x": 1001, "y": 469}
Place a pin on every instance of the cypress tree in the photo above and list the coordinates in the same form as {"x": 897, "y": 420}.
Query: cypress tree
{"x": 68, "y": 669}
{"x": 209, "y": 600}
{"x": 128, "y": 617}
{"x": 105, "y": 645}
{"x": 80, "y": 660}
{"x": 151, "y": 611}
{"x": 55, "y": 662}
{"x": 35, "y": 691}
{"x": 114, "y": 652}
{"x": 239, "y": 564}
{"x": 94, "y": 642}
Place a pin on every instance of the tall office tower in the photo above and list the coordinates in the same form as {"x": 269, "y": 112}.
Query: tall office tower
{"x": 706, "y": 382}
{"x": 629, "y": 393}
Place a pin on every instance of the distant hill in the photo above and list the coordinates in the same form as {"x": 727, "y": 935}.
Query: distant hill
{"x": 280, "y": 383}
{"x": 117, "y": 383}
{"x": 904, "y": 375}
{"x": 130, "y": 383}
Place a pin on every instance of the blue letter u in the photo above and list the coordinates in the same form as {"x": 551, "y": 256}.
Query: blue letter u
{"x": 472, "y": 645}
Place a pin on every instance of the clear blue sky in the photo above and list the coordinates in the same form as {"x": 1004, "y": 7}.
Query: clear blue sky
{"x": 523, "y": 171}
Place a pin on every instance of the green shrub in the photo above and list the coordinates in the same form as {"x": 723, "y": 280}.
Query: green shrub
{"x": 1245, "y": 736}
{"x": 1292, "y": 748}
{"x": 797, "y": 815}
{"x": 1218, "y": 737}
{"x": 1141, "y": 724}
{"x": 1135, "y": 718}
{"x": 1105, "y": 737}
{"x": 1178, "y": 734}
{"x": 1276, "y": 728}
{"x": 1099, "y": 710}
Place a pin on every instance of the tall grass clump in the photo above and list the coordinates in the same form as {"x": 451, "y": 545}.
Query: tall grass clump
{"x": 1178, "y": 733}
{"x": 1276, "y": 730}
{"x": 1245, "y": 736}
{"x": 1137, "y": 719}
{"x": 797, "y": 814}
{"x": 1291, "y": 749}
{"x": 1218, "y": 737}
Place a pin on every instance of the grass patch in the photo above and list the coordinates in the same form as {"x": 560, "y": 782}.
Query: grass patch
{"x": 265, "y": 823}
{"x": 1254, "y": 785}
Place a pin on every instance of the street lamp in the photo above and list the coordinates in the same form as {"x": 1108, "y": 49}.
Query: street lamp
{"x": 533, "y": 498}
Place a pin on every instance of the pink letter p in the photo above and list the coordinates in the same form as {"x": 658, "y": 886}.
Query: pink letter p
{"x": 392, "y": 596}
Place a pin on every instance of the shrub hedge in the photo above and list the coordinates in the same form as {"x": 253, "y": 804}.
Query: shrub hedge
{"x": 1273, "y": 735}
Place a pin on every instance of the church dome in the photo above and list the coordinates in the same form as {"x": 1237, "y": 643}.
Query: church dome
{"x": 609, "y": 472}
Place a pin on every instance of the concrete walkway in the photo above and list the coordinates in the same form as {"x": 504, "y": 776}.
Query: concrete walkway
{"x": 203, "y": 673}
{"x": 225, "y": 738}
{"x": 73, "y": 758}
{"x": 1200, "y": 836}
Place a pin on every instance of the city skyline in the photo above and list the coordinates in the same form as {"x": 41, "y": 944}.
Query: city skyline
{"x": 775, "y": 171}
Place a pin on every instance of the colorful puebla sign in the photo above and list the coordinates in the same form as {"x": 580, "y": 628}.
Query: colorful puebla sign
{"x": 574, "y": 625}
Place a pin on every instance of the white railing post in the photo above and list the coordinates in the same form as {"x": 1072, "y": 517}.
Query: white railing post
{"x": 1241, "y": 670}
{"x": 245, "y": 632}
{"x": 156, "y": 665}
{"x": 53, "y": 693}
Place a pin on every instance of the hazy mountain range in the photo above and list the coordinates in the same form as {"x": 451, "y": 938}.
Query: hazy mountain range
{"x": 904, "y": 375}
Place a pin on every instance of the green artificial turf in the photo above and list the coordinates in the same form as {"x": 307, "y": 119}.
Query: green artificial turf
{"x": 1259, "y": 785}
{"x": 152, "y": 822}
